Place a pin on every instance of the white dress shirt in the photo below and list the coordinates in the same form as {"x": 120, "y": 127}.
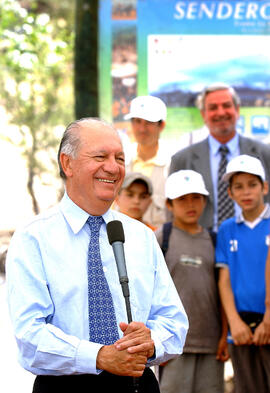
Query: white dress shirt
{"x": 47, "y": 290}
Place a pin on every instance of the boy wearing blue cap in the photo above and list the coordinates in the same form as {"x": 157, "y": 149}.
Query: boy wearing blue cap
{"x": 190, "y": 257}
{"x": 241, "y": 254}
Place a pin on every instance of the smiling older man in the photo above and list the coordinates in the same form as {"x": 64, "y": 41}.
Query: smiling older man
{"x": 219, "y": 105}
{"x": 64, "y": 295}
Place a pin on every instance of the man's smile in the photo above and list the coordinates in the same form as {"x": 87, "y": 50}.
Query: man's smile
{"x": 106, "y": 181}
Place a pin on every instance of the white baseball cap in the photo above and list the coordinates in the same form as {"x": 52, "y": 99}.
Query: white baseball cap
{"x": 246, "y": 164}
{"x": 184, "y": 182}
{"x": 148, "y": 108}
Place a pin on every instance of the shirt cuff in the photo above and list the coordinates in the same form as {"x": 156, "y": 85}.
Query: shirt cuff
{"x": 221, "y": 264}
{"x": 159, "y": 351}
{"x": 86, "y": 357}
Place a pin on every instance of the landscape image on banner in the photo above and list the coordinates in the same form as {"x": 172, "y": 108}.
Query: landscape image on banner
{"x": 180, "y": 66}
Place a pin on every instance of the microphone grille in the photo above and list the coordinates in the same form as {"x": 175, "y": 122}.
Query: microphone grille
{"x": 115, "y": 232}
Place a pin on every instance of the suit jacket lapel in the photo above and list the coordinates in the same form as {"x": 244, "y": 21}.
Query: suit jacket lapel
{"x": 246, "y": 147}
{"x": 201, "y": 164}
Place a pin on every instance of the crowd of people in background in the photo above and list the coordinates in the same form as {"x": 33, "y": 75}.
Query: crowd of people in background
{"x": 208, "y": 236}
{"x": 215, "y": 237}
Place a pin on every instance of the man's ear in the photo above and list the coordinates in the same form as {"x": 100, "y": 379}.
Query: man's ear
{"x": 66, "y": 164}
{"x": 238, "y": 111}
{"x": 202, "y": 112}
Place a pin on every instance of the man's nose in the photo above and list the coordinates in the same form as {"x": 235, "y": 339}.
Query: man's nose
{"x": 111, "y": 165}
{"x": 220, "y": 110}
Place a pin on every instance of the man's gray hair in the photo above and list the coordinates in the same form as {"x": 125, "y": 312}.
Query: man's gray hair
{"x": 200, "y": 102}
{"x": 71, "y": 140}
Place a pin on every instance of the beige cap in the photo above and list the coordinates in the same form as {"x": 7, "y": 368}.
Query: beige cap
{"x": 131, "y": 177}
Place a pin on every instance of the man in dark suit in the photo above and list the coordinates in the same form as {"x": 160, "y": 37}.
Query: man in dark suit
{"x": 219, "y": 106}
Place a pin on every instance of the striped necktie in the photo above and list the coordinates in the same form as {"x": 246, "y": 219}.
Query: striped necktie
{"x": 102, "y": 319}
{"x": 225, "y": 203}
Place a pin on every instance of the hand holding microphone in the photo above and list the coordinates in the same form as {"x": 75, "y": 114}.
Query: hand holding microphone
{"x": 137, "y": 337}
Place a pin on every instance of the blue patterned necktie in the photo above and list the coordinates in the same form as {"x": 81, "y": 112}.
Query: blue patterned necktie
{"x": 225, "y": 203}
{"x": 102, "y": 320}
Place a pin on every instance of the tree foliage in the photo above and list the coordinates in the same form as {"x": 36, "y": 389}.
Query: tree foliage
{"x": 36, "y": 78}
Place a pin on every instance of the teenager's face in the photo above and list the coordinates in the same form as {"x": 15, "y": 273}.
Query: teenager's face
{"x": 146, "y": 132}
{"x": 248, "y": 192}
{"x": 187, "y": 209}
{"x": 134, "y": 200}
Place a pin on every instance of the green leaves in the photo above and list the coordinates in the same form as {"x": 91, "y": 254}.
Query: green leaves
{"x": 36, "y": 81}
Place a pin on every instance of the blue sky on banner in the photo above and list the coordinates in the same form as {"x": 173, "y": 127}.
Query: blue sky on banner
{"x": 204, "y": 17}
{"x": 188, "y": 44}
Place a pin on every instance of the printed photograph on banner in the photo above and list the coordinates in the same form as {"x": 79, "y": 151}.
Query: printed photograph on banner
{"x": 173, "y": 49}
{"x": 124, "y": 9}
{"x": 260, "y": 125}
{"x": 195, "y": 61}
{"x": 124, "y": 67}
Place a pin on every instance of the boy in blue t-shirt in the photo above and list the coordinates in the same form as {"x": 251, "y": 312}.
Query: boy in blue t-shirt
{"x": 241, "y": 254}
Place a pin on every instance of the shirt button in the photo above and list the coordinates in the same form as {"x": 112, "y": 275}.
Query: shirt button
{"x": 104, "y": 269}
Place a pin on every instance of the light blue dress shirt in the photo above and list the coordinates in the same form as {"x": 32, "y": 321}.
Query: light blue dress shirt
{"x": 234, "y": 151}
{"x": 47, "y": 290}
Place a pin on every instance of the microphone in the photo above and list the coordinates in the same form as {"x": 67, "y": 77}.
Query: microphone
{"x": 116, "y": 238}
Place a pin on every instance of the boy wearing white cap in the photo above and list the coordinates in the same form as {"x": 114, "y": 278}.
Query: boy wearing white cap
{"x": 242, "y": 247}
{"x": 190, "y": 259}
{"x": 148, "y": 115}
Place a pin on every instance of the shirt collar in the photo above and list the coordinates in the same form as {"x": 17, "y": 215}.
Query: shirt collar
{"x": 265, "y": 214}
{"x": 215, "y": 145}
{"x": 77, "y": 217}
{"x": 160, "y": 159}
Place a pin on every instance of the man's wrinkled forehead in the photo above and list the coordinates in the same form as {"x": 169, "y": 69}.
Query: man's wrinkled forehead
{"x": 98, "y": 130}
{"x": 101, "y": 138}
{"x": 221, "y": 96}
{"x": 212, "y": 95}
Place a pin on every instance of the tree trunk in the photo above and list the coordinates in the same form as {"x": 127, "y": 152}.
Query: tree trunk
{"x": 86, "y": 59}
{"x": 30, "y": 188}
